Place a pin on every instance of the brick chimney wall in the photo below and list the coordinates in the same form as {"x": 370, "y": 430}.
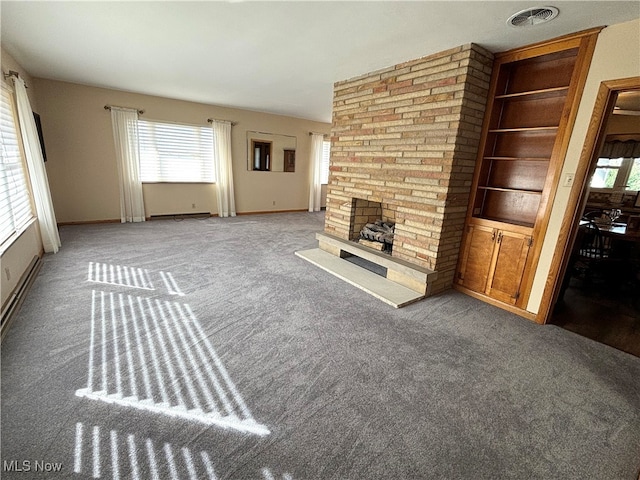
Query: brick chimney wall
{"x": 407, "y": 137}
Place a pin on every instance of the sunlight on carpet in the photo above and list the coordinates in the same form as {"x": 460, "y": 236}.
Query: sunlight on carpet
{"x": 153, "y": 355}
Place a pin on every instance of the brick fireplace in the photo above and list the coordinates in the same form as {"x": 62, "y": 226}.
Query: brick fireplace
{"x": 404, "y": 140}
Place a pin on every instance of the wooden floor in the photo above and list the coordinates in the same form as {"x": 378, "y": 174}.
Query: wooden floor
{"x": 610, "y": 315}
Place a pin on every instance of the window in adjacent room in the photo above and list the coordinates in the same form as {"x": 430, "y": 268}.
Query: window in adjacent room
{"x": 15, "y": 202}
{"x": 172, "y": 152}
{"x": 326, "y": 154}
{"x": 617, "y": 173}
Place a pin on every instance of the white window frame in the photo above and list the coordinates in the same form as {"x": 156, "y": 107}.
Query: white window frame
{"x": 16, "y": 199}
{"x": 172, "y": 152}
{"x": 622, "y": 177}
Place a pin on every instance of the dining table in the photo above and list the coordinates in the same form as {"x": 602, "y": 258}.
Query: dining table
{"x": 622, "y": 243}
{"x": 617, "y": 231}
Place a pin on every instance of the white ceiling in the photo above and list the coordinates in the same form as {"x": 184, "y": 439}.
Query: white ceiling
{"x": 279, "y": 57}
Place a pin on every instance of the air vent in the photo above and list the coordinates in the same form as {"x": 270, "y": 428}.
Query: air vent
{"x": 532, "y": 16}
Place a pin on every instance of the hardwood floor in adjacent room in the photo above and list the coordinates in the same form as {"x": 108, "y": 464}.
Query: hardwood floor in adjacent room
{"x": 607, "y": 315}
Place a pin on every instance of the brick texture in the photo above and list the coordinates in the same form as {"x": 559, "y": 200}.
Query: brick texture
{"x": 403, "y": 146}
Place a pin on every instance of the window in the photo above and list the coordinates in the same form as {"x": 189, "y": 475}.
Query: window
{"x": 15, "y": 202}
{"x": 326, "y": 154}
{"x": 171, "y": 152}
{"x": 617, "y": 173}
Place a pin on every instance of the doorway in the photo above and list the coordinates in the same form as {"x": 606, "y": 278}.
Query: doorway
{"x": 599, "y": 292}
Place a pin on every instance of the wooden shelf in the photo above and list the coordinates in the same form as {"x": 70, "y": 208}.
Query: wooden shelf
{"x": 513, "y": 174}
{"x": 511, "y": 221}
{"x": 525, "y": 159}
{"x": 543, "y": 93}
{"x": 510, "y": 190}
{"x": 524, "y": 129}
{"x": 524, "y": 144}
{"x": 550, "y": 70}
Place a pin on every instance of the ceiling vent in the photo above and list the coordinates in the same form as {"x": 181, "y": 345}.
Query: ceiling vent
{"x": 532, "y": 16}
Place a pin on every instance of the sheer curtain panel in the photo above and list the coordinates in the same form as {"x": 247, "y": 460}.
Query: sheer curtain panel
{"x": 224, "y": 169}
{"x": 315, "y": 174}
{"x": 37, "y": 172}
{"x": 125, "y": 136}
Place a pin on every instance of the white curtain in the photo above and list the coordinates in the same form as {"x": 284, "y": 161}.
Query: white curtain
{"x": 314, "y": 174}
{"x": 37, "y": 172}
{"x": 125, "y": 136}
{"x": 224, "y": 169}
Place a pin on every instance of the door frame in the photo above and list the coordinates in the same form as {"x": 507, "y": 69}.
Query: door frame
{"x": 605, "y": 101}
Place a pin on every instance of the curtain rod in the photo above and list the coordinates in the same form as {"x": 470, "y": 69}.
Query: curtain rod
{"x": 108, "y": 107}
{"x": 13, "y": 73}
{"x": 319, "y": 133}
{"x": 211, "y": 120}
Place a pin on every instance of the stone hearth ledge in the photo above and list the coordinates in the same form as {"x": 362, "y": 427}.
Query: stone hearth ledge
{"x": 405, "y": 283}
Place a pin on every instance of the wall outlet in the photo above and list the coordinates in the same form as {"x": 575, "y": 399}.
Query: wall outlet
{"x": 193, "y": 205}
{"x": 274, "y": 203}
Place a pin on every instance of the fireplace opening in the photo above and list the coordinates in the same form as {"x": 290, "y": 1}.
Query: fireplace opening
{"x": 372, "y": 225}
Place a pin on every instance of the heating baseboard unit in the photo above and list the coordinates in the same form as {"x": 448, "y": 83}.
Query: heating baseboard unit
{"x": 18, "y": 295}
{"x": 180, "y": 216}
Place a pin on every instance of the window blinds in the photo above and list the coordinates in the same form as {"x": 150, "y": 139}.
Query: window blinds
{"x": 172, "y": 152}
{"x": 15, "y": 202}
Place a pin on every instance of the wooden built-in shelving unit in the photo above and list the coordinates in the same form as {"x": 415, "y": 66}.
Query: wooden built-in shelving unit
{"x": 532, "y": 104}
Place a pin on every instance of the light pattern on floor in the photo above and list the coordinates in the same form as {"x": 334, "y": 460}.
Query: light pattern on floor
{"x": 153, "y": 355}
{"x": 111, "y": 454}
{"x": 133, "y": 277}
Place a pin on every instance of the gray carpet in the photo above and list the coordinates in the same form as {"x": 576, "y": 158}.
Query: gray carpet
{"x": 206, "y": 349}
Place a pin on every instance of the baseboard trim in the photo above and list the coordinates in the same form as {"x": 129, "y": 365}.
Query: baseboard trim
{"x": 496, "y": 303}
{"x": 184, "y": 215}
{"x": 262, "y": 212}
{"x": 89, "y": 222}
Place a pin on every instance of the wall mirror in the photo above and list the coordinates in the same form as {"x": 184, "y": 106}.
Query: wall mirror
{"x": 270, "y": 152}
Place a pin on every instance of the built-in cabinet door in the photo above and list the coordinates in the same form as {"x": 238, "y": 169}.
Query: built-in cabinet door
{"x": 493, "y": 262}
{"x": 477, "y": 257}
{"x": 509, "y": 259}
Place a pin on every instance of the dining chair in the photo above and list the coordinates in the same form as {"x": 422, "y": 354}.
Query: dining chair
{"x": 593, "y": 245}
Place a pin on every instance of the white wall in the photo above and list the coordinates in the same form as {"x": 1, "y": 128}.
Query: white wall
{"x": 616, "y": 56}
{"x": 81, "y": 155}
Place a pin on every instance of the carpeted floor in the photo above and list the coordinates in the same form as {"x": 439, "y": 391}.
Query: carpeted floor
{"x": 205, "y": 349}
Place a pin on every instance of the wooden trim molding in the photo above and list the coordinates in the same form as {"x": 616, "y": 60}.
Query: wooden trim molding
{"x": 116, "y": 220}
{"x": 272, "y": 211}
{"x": 496, "y": 303}
{"x": 89, "y": 222}
{"x": 605, "y": 101}
{"x": 583, "y": 62}
{"x": 547, "y": 46}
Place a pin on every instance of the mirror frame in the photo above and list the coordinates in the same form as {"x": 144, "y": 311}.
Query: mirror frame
{"x": 280, "y": 156}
